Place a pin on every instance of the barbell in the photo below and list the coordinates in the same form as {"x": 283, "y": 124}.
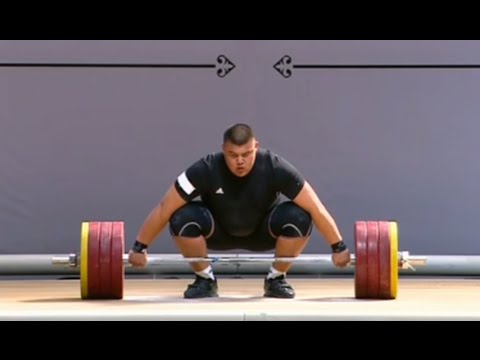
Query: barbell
{"x": 102, "y": 260}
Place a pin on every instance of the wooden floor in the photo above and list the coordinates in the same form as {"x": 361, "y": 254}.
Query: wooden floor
{"x": 241, "y": 299}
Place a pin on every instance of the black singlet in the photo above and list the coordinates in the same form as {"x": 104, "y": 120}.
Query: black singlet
{"x": 239, "y": 204}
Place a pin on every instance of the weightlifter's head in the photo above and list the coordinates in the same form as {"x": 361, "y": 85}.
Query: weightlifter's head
{"x": 240, "y": 149}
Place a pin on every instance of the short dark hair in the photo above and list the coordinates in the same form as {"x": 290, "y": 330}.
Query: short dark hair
{"x": 238, "y": 134}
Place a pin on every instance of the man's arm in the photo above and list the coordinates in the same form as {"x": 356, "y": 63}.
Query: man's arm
{"x": 160, "y": 216}
{"x": 324, "y": 222}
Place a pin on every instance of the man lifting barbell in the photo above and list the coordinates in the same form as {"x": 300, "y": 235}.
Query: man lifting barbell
{"x": 230, "y": 200}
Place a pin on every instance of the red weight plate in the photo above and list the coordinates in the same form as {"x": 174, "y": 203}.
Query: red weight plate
{"x": 384, "y": 253}
{"x": 361, "y": 260}
{"x": 373, "y": 267}
{"x": 105, "y": 260}
{"x": 117, "y": 268}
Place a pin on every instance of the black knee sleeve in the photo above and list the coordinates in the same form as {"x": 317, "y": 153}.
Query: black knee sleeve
{"x": 290, "y": 220}
{"x": 191, "y": 220}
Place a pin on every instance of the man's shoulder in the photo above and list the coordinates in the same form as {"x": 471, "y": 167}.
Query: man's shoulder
{"x": 212, "y": 159}
{"x": 209, "y": 161}
{"x": 278, "y": 162}
{"x": 269, "y": 155}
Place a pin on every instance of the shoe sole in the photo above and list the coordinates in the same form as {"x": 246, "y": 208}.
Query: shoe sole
{"x": 279, "y": 297}
{"x": 201, "y": 297}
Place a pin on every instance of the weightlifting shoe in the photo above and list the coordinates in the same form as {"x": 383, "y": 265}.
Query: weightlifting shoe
{"x": 278, "y": 288}
{"x": 201, "y": 288}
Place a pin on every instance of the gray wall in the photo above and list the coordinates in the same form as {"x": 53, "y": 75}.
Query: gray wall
{"x": 104, "y": 144}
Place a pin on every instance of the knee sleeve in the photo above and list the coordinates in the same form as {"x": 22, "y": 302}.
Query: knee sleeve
{"x": 290, "y": 220}
{"x": 191, "y": 220}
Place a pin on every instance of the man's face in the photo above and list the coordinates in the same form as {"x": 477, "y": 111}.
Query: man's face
{"x": 240, "y": 158}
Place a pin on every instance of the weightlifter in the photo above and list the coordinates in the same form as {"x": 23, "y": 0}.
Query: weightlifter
{"x": 231, "y": 200}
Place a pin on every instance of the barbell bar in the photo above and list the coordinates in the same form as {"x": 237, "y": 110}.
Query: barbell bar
{"x": 102, "y": 259}
{"x": 405, "y": 260}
